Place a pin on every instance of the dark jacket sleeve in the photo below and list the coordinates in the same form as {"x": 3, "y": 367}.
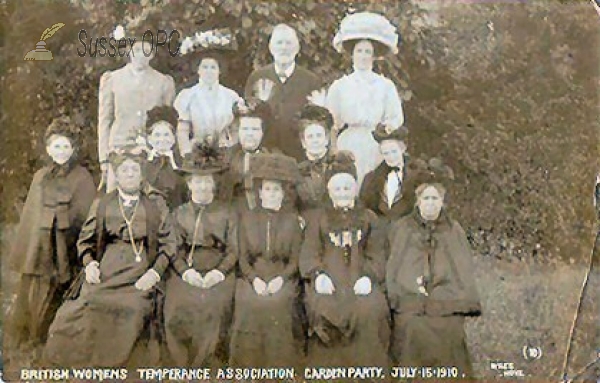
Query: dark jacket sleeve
{"x": 167, "y": 243}
{"x": 291, "y": 269}
{"x": 466, "y": 300}
{"x": 397, "y": 237}
{"x": 179, "y": 262}
{"x": 374, "y": 266}
{"x": 228, "y": 263}
{"x": 246, "y": 269}
{"x": 310, "y": 251}
{"x": 86, "y": 244}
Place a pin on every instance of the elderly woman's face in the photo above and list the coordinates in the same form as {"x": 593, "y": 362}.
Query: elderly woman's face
{"x": 284, "y": 46}
{"x": 250, "y": 133}
{"x": 362, "y": 56}
{"x": 129, "y": 176}
{"x": 430, "y": 203}
{"x": 315, "y": 139}
{"x": 59, "y": 148}
{"x": 271, "y": 194}
{"x": 208, "y": 70}
{"x": 342, "y": 189}
{"x": 162, "y": 138}
{"x": 393, "y": 153}
{"x": 202, "y": 188}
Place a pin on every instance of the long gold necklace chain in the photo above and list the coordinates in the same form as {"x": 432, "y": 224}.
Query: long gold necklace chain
{"x": 194, "y": 237}
{"x": 128, "y": 222}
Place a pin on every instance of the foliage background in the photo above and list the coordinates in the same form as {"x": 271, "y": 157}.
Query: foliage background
{"x": 506, "y": 92}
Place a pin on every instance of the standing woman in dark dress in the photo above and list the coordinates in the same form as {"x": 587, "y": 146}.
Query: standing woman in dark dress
{"x": 198, "y": 305}
{"x": 44, "y": 253}
{"x": 126, "y": 244}
{"x": 343, "y": 262}
{"x": 163, "y": 157}
{"x": 263, "y": 331}
{"x": 430, "y": 282}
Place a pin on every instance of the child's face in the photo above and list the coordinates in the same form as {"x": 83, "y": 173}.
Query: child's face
{"x": 59, "y": 148}
{"x": 250, "y": 132}
{"x": 314, "y": 139}
{"x": 342, "y": 189}
{"x": 162, "y": 138}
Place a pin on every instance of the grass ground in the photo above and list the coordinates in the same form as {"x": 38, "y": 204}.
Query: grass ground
{"x": 522, "y": 304}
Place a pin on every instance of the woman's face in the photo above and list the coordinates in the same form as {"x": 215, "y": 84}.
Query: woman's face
{"x": 430, "y": 203}
{"x": 271, "y": 194}
{"x": 393, "y": 153}
{"x": 250, "y": 133}
{"x": 59, "y": 148}
{"x": 129, "y": 176}
{"x": 162, "y": 138}
{"x": 208, "y": 70}
{"x": 362, "y": 56}
{"x": 342, "y": 189}
{"x": 202, "y": 188}
{"x": 314, "y": 139}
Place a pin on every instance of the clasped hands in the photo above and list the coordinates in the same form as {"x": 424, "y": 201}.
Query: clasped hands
{"x": 196, "y": 279}
{"x": 144, "y": 283}
{"x": 262, "y": 288}
{"x": 324, "y": 285}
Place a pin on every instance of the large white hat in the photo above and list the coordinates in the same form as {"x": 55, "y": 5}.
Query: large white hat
{"x": 366, "y": 25}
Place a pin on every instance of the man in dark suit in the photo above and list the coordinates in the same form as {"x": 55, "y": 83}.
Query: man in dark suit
{"x": 285, "y": 86}
{"x": 385, "y": 190}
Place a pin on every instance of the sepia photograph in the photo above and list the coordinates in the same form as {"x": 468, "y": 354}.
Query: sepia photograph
{"x": 320, "y": 190}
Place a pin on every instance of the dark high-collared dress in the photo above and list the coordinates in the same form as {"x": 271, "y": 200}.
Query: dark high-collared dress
{"x": 312, "y": 189}
{"x": 197, "y": 319}
{"x": 108, "y": 320}
{"x": 345, "y": 329}
{"x": 263, "y": 331}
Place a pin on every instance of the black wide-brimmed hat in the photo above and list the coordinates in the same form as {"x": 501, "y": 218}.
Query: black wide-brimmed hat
{"x": 274, "y": 166}
{"x": 206, "y": 158}
{"x": 381, "y": 134}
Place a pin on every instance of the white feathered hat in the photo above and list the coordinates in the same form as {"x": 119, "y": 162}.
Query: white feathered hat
{"x": 366, "y": 25}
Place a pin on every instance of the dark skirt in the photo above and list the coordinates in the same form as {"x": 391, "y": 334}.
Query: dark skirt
{"x": 348, "y": 330}
{"x": 263, "y": 328}
{"x": 196, "y": 321}
{"x": 420, "y": 340}
{"x": 107, "y": 323}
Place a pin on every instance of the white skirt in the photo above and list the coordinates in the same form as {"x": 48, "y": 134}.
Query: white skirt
{"x": 360, "y": 142}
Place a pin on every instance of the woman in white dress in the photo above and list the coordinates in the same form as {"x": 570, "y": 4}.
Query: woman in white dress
{"x": 362, "y": 99}
{"x": 206, "y": 109}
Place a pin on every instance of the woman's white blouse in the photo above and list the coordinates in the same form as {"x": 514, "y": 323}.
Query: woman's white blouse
{"x": 365, "y": 98}
{"x": 209, "y": 110}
